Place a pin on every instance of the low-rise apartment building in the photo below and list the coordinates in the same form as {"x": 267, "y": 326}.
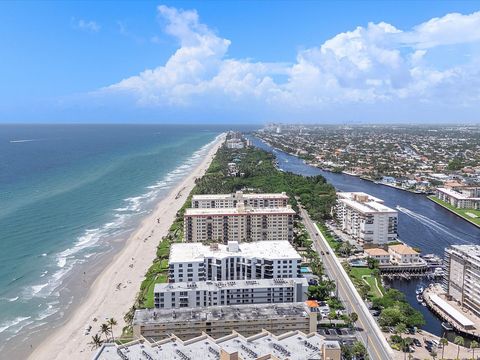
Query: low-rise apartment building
{"x": 293, "y": 345}
{"x": 218, "y": 321}
{"x": 366, "y": 218}
{"x": 460, "y": 197}
{"x": 462, "y": 275}
{"x": 231, "y": 200}
{"x": 402, "y": 254}
{"x": 217, "y": 293}
{"x": 382, "y": 256}
{"x": 241, "y": 223}
{"x": 235, "y": 261}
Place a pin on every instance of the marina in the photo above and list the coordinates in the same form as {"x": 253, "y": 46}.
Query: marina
{"x": 422, "y": 224}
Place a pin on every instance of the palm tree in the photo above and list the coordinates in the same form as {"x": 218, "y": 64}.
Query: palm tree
{"x": 96, "y": 341}
{"x": 112, "y": 322}
{"x": 473, "y": 346}
{"x": 353, "y": 317}
{"x": 105, "y": 330}
{"x": 400, "y": 329}
{"x": 444, "y": 342}
{"x": 406, "y": 345}
{"x": 459, "y": 341}
{"x": 332, "y": 316}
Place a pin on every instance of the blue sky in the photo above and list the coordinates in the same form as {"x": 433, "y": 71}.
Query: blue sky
{"x": 249, "y": 61}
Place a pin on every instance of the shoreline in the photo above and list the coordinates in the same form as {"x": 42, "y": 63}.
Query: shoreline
{"x": 127, "y": 268}
{"x": 452, "y": 211}
{"x": 343, "y": 171}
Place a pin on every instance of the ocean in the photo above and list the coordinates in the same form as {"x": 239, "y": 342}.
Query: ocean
{"x": 70, "y": 193}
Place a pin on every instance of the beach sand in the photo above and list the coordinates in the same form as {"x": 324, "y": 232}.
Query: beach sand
{"x": 105, "y": 299}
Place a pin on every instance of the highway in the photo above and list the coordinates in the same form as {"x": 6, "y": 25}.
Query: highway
{"x": 369, "y": 332}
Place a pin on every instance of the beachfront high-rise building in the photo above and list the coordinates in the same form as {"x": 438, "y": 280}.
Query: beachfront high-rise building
{"x": 462, "y": 275}
{"x": 235, "y": 261}
{"x": 231, "y": 200}
{"x": 217, "y": 293}
{"x": 366, "y": 218}
{"x": 240, "y": 223}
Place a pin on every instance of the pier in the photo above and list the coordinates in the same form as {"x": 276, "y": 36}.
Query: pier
{"x": 463, "y": 321}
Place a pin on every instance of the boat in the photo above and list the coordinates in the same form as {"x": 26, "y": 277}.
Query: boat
{"x": 419, "y": 290}
{"x": 438, "y": 272}
{"x": 433, "y": 260}
{"x": 424, "y": 303}
{"x": 419, "y": 298}
{"x": 447, "y": 326}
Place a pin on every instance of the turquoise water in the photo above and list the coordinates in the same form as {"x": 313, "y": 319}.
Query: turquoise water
{"x": 66, "y": 192}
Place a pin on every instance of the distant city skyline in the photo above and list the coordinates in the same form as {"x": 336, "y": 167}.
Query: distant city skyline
{"x": 240, "y": 62}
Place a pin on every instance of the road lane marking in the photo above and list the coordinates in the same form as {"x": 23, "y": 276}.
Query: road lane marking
{"x": 358, "y": 309}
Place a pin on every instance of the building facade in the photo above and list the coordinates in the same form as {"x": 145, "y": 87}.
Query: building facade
{"x": 462, "y": 275}
{"x": 231, "y": 200}
{"x": 401, "y": 254}
{"x": 218, "y": 293}
{"x": 218, "y": 321}
{"x": 235, "y": 261}
{"x": 382, "y": 256}
{"x": 461, "y": 198}
{"x": 242, "y": 223}
{"x": 366, "y": 218}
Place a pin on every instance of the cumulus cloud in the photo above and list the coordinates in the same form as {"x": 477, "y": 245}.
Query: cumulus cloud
{"x": 374, "y": 64}
{"x": 86, "y": 25}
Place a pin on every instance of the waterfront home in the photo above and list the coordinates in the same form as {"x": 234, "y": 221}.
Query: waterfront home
{"x": 403, "y": 255}
{"x": 379, "y": 254}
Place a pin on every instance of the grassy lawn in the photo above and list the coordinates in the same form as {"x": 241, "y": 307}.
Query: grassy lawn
{"x": 160, "y": 278}
{"x": 460, "y": 212}
{"x": 157, "y": 273}
{"x": 364, "y": 274}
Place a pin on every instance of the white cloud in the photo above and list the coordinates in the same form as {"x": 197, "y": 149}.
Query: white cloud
{"x": 450, "y": 29}
{"x": 87, "y": 25}
{"x": 376, "y": 64}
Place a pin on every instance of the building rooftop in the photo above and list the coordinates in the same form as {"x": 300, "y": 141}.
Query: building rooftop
{"x": 239, "y": 210}
{"x": 234, "y": 284}
{"x": 451, "y": 311}
{"x": 358, "y": 194}
{"x": 293, "y": 345}
{"x": 240, "y": 194}
{"x": 403, "y": 249}
{"x": 364, "y": 203}
{"x": 273, "y": 249}
{"x": 473, "y": 251}
{"x": 377, "y": 252}
{"x": 225, "y": 312}
{"x": 456, "y": 194}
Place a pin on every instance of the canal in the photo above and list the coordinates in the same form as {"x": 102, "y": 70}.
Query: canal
{"x": 421, "y": 222}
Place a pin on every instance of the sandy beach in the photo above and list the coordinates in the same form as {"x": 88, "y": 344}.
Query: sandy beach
{"x": 105, "y": 298}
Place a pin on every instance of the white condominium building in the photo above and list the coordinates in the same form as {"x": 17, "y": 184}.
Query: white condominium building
{"x": 216, "y": 293}
{"x": 462, "y": 275}
{"x": 217, "y": 262}
{"x": 242, "y": 223}
{"x": 460, "y": 197}
{"x": 366, "y": 218}
{"x": 231, "y": 200}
